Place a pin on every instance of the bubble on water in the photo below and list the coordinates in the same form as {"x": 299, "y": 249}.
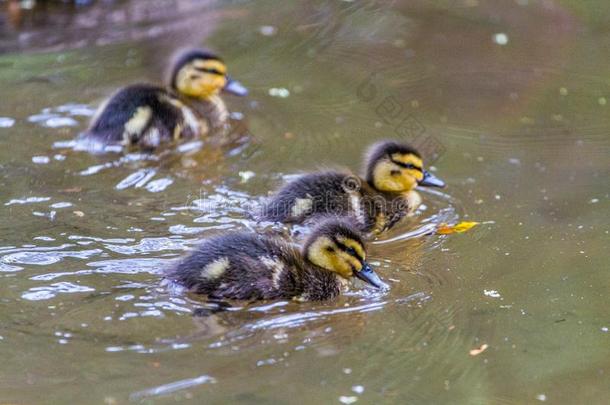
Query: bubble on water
{"x": 500, "y": 38}
{"x": 347, "y": 399}
{"x": 358, "y": 389}
{"x": 605, "y": 329}
{"x": 541, "y": 397}
{"x": 267, "y": 30}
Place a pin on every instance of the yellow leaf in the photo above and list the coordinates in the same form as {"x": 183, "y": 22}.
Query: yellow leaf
{"x": 444, "y": 229}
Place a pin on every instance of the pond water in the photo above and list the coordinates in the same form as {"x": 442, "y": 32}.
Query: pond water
{"x": 510, "y": 102}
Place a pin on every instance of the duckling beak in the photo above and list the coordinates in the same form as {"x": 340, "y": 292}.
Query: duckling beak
{"x": 235, "y": 87}
{"x": 367, "y": 274}
{"x": 431, "y": 180}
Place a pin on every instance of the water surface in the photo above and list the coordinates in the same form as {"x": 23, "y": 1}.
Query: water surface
{"x": 509, "y": 102}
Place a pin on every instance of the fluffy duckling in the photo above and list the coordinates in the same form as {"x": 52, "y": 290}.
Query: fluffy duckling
{"x": 377, "y": 202}
{"x": 247, "y": 266}
{"x": 147, "y": 115}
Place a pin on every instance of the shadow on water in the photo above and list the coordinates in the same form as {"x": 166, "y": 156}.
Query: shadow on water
{"x": 508, "y": 103}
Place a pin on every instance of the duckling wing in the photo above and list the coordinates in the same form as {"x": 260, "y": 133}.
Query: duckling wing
{"x": 242, "y": 266}
{"x": 310, "y": 194}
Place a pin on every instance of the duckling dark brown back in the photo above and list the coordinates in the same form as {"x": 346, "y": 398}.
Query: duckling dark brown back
{"x": 248, "y": 266}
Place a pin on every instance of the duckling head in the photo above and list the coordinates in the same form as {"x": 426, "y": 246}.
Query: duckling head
{"x": 201, "y": 74}
{"x": 397, "y": 167}
{"x": 337, "y": 246}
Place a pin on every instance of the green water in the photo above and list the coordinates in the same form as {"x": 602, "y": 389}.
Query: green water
{"x": 509, "y": 99}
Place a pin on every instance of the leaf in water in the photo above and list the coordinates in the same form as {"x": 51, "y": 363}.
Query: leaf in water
{"x": 444, "y": 229}
{"x": 479, "y": 350}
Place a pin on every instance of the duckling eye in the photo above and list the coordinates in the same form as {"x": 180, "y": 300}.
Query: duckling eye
{"x": 209, "y": 70}
{"x": 330, "y": 249}
{"x": 395, "y": 172}
{"x": 410, "y": 166}
{"x": 351, "y": 251}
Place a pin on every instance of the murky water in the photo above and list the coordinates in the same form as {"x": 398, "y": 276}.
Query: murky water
{"x": 510, "y": 102}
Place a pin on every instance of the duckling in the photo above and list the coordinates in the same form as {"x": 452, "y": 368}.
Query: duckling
{"x": 248, "y": 266}
{"x": 146, "y": 115}
{"x": 377, "y": 202}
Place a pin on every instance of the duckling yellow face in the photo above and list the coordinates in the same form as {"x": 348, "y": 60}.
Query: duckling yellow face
{"x": 343, "y": 258}
{"x": 337, "y": 247}
{"x": 201, "y": 78}
{"x": 397, "y": 167}
{"x": 201, "y": 74}
{"x": 398, "y": 172}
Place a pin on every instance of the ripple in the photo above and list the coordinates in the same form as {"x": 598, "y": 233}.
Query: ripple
{"x": 28, "y": 200}
{"x": 51, "y": 291}
{"x": 172, "y": 387}
{"x": 148, "y": 245}
{"x": 125, "y": 266}
{"x": 43, "y": 256}
{"x": 137, "y": 179}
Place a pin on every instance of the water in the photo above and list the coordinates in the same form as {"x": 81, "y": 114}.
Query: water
{"x": 509, "y": 102}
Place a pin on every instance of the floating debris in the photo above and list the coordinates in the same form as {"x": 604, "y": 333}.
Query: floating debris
{"x": 500, "y": 38}
{"x": 279, "y": 92}
{"x": 267, "y": 30}
{"x": 41, "y": 160}
{"x": 477, "y": 351}
{"x": 246, "y": 175}
{"x": 491, "y": 293}
{"x": 6, "y": 122}
{"x": 460, "y": 227}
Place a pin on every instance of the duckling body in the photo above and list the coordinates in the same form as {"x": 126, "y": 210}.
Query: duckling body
{"x": 146, "y": 116}
{"x": 337, "y": 193}
{"x": 248, "y": 266}
{"x": 376, "y": 202}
